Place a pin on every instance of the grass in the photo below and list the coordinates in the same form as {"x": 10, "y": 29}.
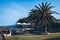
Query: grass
{"x": 51, "y": 36}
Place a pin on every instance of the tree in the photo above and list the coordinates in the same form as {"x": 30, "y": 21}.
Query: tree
{"x": 22, "y": 20}
{"x": 42, "y": 15}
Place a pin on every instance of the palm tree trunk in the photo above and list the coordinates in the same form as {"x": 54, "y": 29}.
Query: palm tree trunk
{"x": 45, "y": 29}
{"x": 45, "y": 26}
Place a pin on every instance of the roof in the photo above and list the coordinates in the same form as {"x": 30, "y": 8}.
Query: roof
{"x": 23, "y": 23}
{"x": 58, "y": 20}
{"x": 3, "y": 29}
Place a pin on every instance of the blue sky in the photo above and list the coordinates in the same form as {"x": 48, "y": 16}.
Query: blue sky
{"x": 13, "y": 10}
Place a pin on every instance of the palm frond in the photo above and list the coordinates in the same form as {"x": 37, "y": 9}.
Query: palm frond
{"x": 46, "y": 4}
{"x": 50, "y": 7}
{"x": 52, "y": 12}
{"x": 37, "y": 7}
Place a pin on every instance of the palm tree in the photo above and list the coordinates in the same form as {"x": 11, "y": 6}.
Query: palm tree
{"x": 33, "y": 17}
{"x": 42, "y": 15}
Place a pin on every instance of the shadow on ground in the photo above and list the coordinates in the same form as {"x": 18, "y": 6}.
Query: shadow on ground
{"x": 55, "y": 38}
